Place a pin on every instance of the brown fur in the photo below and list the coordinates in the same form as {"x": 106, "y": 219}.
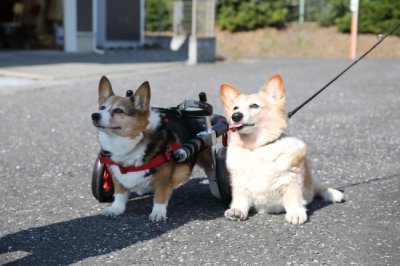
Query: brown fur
{"x": 134, "y": 120}
{"x": 129, "y": 121}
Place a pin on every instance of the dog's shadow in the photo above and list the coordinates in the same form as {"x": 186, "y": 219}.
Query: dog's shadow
{"x": 75, "y": 240}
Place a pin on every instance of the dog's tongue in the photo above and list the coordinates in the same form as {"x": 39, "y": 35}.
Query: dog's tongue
{"x": 233, "y": 127}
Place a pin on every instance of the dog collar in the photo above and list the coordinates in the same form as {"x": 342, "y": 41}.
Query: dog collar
{"x": 156, "y": 161}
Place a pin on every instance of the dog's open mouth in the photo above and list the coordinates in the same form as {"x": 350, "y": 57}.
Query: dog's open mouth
{"x": 239, "y": 126}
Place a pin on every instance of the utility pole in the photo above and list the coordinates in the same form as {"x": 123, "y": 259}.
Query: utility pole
{"x": 192, "y": 60}
{"x": 353, "y": 31}
{"x": 301, "y": 11}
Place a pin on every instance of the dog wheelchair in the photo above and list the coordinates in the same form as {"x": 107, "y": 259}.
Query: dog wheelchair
{"x": 206, "y": 128}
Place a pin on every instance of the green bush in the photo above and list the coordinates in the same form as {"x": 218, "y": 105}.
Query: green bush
{"x": 331, "y": 10}
{"x": 374, "y": 16}
{"x": 158, "y": 15}
{"x": 236, "y": 15}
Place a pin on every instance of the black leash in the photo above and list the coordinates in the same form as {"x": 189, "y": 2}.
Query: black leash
{"x": 381, "y": 39}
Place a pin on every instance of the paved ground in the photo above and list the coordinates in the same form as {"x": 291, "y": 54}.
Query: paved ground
{"x": 48, "y": 146}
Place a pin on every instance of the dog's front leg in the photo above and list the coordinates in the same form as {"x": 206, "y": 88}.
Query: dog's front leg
{"x": 121, "y": 195}
{"x": 240, "y": 205}
{"x": 293, "y": 202}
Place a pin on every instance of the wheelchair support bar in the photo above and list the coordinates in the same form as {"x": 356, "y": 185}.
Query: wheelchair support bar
{"x": 219, "y": 125}
{"x": 203, "y": 139}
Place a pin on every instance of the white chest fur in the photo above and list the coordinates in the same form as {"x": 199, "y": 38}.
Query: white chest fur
{"x": 261, "y": 170}
{"x": 137, "y": 182}
{"x": 127, "y": 152}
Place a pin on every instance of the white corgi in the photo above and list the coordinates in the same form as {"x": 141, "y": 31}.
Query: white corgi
{"x": 269, "y": 170}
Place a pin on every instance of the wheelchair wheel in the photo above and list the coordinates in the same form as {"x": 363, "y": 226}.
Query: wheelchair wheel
{"x": 223, "y": 177}
{"x": 102, "y": 184}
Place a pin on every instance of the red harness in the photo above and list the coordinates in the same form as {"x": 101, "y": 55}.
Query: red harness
{"x": 156, "y": 161}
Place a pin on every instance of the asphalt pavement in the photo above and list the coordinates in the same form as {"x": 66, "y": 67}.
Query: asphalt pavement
{"x": 48, "y": 147}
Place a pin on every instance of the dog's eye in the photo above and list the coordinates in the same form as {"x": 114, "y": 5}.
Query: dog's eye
{"x": 118, "y": 111}
{"x": 235, "y": 108}
{"x": 254, "y": 106}
{"x": 103, "y": 107}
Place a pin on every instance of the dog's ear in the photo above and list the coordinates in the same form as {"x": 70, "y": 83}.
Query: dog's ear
{"x": 105, "y": 89}
{"x": 275, "y": 89}
{"x": 228, "y": 94}
{"x": 141, "y": 98}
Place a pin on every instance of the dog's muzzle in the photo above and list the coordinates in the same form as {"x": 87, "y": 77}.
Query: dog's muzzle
{"x": 237, "y": 125}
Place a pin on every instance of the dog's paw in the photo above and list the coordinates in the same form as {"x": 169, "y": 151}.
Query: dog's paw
{"x": 296, "y": 216}
{"x": 235, "y": 215}
{"x": 332, "y": 195}
{"x": 157, "y": 216}
{"x": 159, "y": 213}
{"x": 112, "y": 211}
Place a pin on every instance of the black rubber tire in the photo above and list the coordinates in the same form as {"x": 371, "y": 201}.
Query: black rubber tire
{"x": 223, "y": 177}
{"x": 97, "y": 184}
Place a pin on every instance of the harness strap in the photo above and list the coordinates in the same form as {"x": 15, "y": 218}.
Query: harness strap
{"x": 156, "y": 161}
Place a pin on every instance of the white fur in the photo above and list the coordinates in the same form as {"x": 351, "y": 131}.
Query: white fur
{"x": 261, "y": 172}
{"x": 159, "y": 212}
{"x": 118, "y": 205}
{"x": 129, "y": 152}
{"x": 123, "y": 149}
{"x": 257, "y": 174}
{"x": 134, "y": 181}
{"x": 257, "y": 169}
{"x": 284, "y": 180}
{"x": 242, "y": 201}
{"x": 105, "y": 117}
{"x": 154, "y": 120}
{"x": 332, "y": 195}
{"x": 296, "y": 214}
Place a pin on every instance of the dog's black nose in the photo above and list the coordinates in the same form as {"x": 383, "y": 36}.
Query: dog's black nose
{"x": 236, "y": 117}
{"x": 96, "y": 116}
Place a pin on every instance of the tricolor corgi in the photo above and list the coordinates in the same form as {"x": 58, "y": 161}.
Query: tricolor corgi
{"x": 138, "y": 141}
{"x": 269, "y": 170}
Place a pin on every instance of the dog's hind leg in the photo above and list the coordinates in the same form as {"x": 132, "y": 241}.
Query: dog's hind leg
{"x": 120, "y": 198}
{"x": 164, "y": 181}
{"x": 328, "y": 194}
